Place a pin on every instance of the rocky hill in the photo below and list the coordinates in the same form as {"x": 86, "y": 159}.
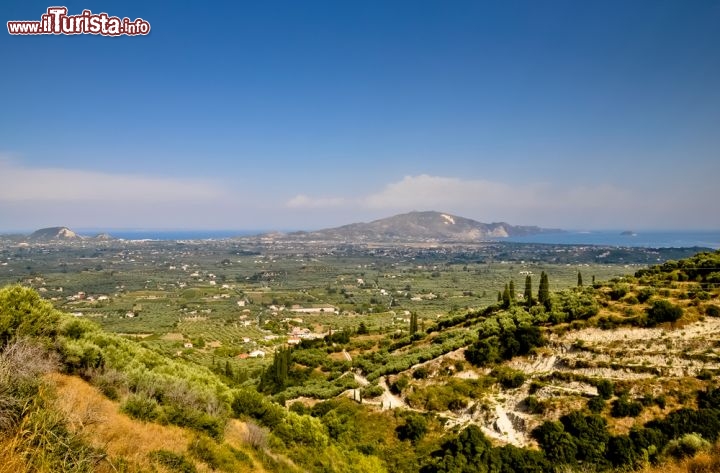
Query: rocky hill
{"x": 423, "y": 226}
{"x": 54, "y": 233}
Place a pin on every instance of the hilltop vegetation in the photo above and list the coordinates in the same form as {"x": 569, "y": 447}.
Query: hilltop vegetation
{"x": 617, "y": 375}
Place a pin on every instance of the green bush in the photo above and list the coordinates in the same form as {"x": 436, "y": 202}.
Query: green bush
{"x": 508, "y": 377}
{"x": 413, "y": 429}
{"x": 421, "y": 373}
{"x": 534, "y": 405}
{"x": 24, "y": 313}
{"x": 618, "y": 291}
{"x": 186, "y": 416}
{"x": 217, "y": 457}
{"x": 605, "y": 388}
{"x": 686, "y": 446}
{"x": 624, "y": 407}
{"x": 645, "y": 293}
{"x": 663, "y": 311}
{"x": 399, "y": 385}
{"x": 141, "y": 407}
{"x": 173, "y": 461}
{"x": 372, "y": 390}
{"x": 596, "y": 404}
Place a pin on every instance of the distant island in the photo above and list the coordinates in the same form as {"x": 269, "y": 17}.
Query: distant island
{"x": 411, "y": 227}
{"x": 628, "y": 233}
{"x": 427, "y": 226}
{"x": 62, "y": 234}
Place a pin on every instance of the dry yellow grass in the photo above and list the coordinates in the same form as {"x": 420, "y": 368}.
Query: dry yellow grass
{"x": 100, "y": 419}
{"x": 705, "y": 462}
{"x": 10, "y": 460}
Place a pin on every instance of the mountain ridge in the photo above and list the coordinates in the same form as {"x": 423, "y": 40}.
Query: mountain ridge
{"x": 423, "y": 226}
{"x": 54, "y": 233}
{"x": 63, "y": 234}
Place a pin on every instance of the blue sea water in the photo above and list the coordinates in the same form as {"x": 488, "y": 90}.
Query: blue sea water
{"x": 173, "y": 234}
{"x": 649, "y": 239}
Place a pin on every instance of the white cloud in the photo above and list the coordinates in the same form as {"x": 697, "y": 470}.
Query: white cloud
{"x": 569, "y": 205}
{"x": 52, "y": 185}
{"x": 302, "y": 201}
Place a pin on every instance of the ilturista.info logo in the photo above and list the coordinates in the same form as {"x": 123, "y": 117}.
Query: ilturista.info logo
{"x": 57, "y": 21}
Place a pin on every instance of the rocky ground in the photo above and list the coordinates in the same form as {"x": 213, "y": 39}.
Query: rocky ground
{"x": 651, "y": 356}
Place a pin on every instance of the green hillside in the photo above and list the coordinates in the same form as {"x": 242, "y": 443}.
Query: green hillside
{"x": 618, "y": 375}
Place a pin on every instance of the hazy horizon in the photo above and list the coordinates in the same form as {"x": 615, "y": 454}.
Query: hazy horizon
{"x": 90, "y": 230}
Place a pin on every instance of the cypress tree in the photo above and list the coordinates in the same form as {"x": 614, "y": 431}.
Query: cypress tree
{"x": 413, "y": 323}
{"x": 544, "y": 290}
{"x": 527, "y": 295}
{"x": 580, "y": 283}
{"x": 512, "y": 291}
{"x": 506, "y": 297}
{"x": 281, "y": 362}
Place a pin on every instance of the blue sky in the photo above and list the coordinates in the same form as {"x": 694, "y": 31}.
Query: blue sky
{"x": 280, "y": 115}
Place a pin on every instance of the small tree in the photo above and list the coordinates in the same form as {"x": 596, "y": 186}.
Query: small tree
{"x": 544, "y": 291}
{"x": 414, "y": 428}
{"x": 506, "y": 297}
{"x": 527, "y": 295}
{"x": 663, "y": 311}
{"x": 24, "y": 313}
{"x": 580, "y": 282}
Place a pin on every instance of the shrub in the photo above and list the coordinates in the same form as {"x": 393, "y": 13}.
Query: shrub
{"x": 605, "y": 388}
{"x": 596, "y": 404}
{"x": 413, "y": 429}
{"x": 663, "y": 311}
{"x": 256, "y": 436}
{"x": 645, "y": 293}
{"x": 173, "y": 461}
{"x": 186, "y": 416}
{"x": 218, "y": 458}
{"x": 400, "y": 384}
{"x": 509, "y": 378}
{"x": 141, "y": 407}
{"x": 632, "y": 300}
{"x": 534, "y": 405}
{"x": 618, "y": 291}
{"x": 558, "y": 445}
{"x": 624, "y": 407}
{"x": 372, "y": 390}
{"x": 24, "y": 313}
{"x": 686, "y": 446}
{"x": 421, "y": 373}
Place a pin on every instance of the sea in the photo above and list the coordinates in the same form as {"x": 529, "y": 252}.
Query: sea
{"x": 648, "y": 239}
{"x": 173, "y": 234}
